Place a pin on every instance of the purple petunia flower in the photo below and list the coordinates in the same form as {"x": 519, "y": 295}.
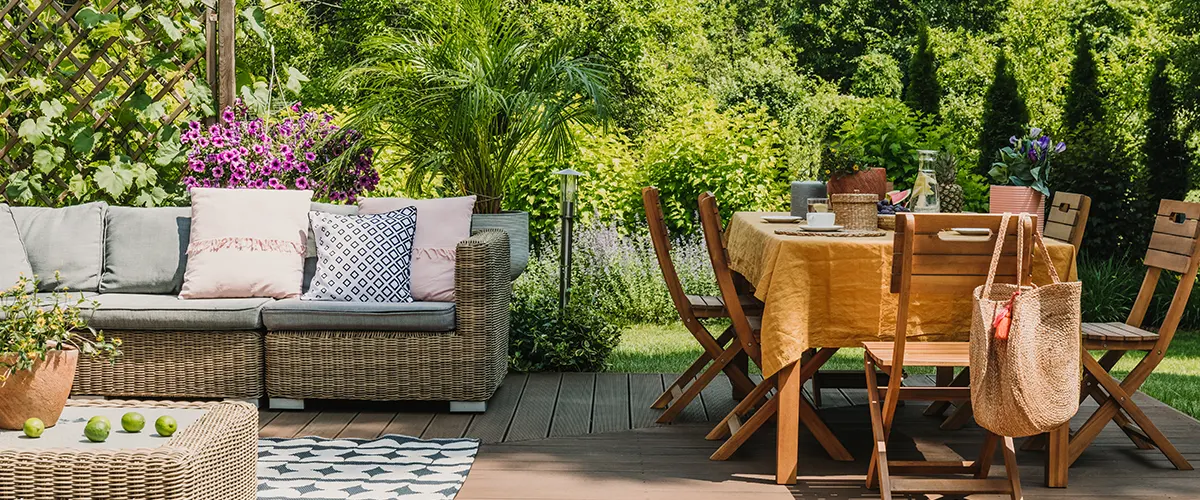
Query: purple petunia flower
{"x": 302, "y": 182}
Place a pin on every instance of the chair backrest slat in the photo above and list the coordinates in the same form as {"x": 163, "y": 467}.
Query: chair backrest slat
{"x": 714, "y": 240}
{"x": 1068, "y": 218}
{"x": 662, "y": 249}
{"x": 945, "y": 261}
{"x": 1174, "y": 246}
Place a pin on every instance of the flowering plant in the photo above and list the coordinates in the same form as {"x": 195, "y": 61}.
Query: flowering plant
{"x": 34, "y": 326}
{"x": 840, "y": 160}
{"x": 1027, "y": 161}
{"x": 298, "y": 150}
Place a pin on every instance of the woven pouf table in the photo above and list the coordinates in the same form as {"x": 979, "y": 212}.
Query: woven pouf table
{"x": 211, "y": 456}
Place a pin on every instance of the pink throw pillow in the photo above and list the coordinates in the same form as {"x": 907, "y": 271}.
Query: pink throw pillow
{"x": 246, "y": 243}
{"x": 442, "y": 223}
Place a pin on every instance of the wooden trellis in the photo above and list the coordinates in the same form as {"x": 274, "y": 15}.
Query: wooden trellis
{"x": 46, "y": 39}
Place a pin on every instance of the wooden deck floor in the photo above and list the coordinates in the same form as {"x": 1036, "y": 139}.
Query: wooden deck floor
{"x": 592, "y": 436}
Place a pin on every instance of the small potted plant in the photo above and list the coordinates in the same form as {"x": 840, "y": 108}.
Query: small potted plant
{"x": 40, "y": 343}
{"x": 1021, "y": 172}
{"x": 845, "y": 172}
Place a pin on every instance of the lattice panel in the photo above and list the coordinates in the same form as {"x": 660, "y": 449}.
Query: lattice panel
{"x": 122, "y": 75}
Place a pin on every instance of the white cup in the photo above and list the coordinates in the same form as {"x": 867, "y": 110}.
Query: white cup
{"x": 820, "y": 219}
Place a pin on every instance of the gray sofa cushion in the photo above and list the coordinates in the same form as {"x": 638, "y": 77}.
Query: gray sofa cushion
{"x": 145, "y": 249}
{"x": 67, "y": 240}
{"x": 129, "y": 311}
{"x": 68, "y": 298}
{"x": 310, "y": 254}
{"x": 13, "y": 263}
{"x": 309, "y": 315}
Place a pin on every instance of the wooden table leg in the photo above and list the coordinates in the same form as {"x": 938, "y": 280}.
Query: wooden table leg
{"x": 1057, "y": 456}
{"x": 788, "y": 434}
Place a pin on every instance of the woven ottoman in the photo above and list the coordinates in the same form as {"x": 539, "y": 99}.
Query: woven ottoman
{"x": 212, "y": 455}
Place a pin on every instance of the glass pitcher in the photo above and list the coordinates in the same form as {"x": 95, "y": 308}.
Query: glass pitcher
{"x": 925, "y": 189}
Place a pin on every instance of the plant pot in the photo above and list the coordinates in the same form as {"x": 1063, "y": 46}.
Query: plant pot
{"x": 871, "y": 181}
{"x": 516, "y": 224}
{"x": 1018, "y": 199}
{"x": 41, "y": 392}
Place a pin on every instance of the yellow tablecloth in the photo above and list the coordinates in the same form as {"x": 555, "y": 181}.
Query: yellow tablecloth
{"x": 835, "y": 292}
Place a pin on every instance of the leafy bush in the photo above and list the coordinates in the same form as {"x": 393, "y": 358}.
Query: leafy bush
{"x": 1004, "y": 114}
{"x": 923, "y": 93}
{"x": 578, "y": 339}
{"x": 1111, "y": 284}
{"x": 877, "y": 75}
{"x": 1167, "y": 158}
{"x": 886, "y": 134}
{"x": 737, "y": 154}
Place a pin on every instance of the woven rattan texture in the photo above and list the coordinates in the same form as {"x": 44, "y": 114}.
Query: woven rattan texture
{"x": 467, "y": 364}
{"x": 213, "y": 459}
{"x": 177, "y": 364}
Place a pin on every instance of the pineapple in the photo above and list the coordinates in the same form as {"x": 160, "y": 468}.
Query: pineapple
{"x": 945, "y": 166}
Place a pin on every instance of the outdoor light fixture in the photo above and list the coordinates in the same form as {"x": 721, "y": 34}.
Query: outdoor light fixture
{"x": 568, "y": 193}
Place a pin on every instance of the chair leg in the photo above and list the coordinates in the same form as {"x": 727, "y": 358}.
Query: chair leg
{"x": 945, "y": 376}
{"x": 959, "y": 418}
{"x": 877, "y": 469}
{"x": 739, "y": 437}
{"x": 676, "y": 388}
{"x": 733, "y": 420}
{"x": 685, "y": 398}
{"x": 983, "y": 466}
{"x": 1011, "y": 468}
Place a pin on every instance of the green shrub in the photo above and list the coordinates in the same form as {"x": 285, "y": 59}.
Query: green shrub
{"x": 923, "y": 93}
{"x": 1110, "y": 285}
{"x": 888, "y": 134}
{"x": 1167, "y": 157}
{"x": 578, "y": 339}
{"x": 737, "y": 154}
{"x": 1004, "y": 114}
{"x": 877, "y": 75}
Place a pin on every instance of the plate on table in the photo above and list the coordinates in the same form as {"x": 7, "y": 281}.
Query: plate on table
{"x": 781, "y": 219}
{"x": 972, "y": 231}
{"x": 822, "y": 229}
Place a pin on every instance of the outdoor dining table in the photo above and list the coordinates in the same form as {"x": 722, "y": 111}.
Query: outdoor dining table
{"x": 833, "y": 292}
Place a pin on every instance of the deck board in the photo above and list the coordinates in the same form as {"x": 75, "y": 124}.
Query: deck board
{"x": 622, "y": 453}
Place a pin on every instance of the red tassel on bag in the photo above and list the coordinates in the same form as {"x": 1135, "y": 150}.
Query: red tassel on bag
{"x": 1003, "y": 320}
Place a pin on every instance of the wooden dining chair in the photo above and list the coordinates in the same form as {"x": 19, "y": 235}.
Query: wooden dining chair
{"x": 760, "y": 401}
{"x": 929, "y": 259}
{"x": 1068, "y": 218}
{"x": 1175, "y": 247}
{"x": 691, "y": 309}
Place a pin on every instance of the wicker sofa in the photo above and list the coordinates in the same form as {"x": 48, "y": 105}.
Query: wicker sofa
{"x": 130, "y": 261}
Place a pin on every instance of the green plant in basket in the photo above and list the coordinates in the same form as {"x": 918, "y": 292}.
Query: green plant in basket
{"x": 840, "y": 160}
{"x": 34, "y": 326}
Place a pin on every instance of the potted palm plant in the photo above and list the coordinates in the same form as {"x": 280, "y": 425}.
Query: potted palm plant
{"x": 40, "y": 343}
{"x": 464, "y": 101}
{"x": 1021, "y": 172}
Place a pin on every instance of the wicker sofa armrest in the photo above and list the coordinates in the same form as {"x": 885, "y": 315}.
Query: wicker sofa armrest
{"x": 482, "y": 288}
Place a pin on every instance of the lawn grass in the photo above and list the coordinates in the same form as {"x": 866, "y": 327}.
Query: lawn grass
{"x": 671, "y": 348}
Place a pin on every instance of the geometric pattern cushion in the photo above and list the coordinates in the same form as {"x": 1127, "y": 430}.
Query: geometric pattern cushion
{"x": 363, "y": 258}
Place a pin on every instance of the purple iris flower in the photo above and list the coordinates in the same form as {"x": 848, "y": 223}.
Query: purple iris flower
{"x": 1043, "y": 142}
{"x": 1060, "y": 147}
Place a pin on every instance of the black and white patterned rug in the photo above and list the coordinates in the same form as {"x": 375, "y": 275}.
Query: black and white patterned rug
{"x": 390, "y": 467}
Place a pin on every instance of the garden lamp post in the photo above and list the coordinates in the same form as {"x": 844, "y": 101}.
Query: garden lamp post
{"x": 568, "y": 193}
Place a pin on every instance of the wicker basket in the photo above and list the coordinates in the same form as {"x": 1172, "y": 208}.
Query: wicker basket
{"x": 856, "y": 211}
{"x": 887, "y": 222}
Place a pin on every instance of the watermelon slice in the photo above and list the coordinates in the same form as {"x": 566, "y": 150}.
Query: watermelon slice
{"x": 898, "y": 197}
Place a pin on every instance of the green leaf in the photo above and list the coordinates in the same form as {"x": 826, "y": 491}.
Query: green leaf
{"x": 256, "y": 19}
{"x": 103, "y": 98}
{"x": 140, "y": 101}
{"x": 186, "y": 4}
{"x": 18, "y": 187}
{"x": 38, "y": 86}
{"x": 82, "y": 138}
{"x": 132, "y": 12}
{"x": 89, "y": 17}
{"x": 143, "y": 175}
{"x": 200, "y": 95}
{"x": 169, "y": 149}
{"x": 258, "y": 97}
{"x": 154, "y": 112}
{"x": 35, "y": 130}
{"x": 114, "y": 178}
{"x": 294, "y": 79}
{"x": 151, "y": 197}
{"x": 52, "y": 108}
{"x": 78, "y": 185}
{"x": 45, "y": 159}
{"x": 170, "y": 28}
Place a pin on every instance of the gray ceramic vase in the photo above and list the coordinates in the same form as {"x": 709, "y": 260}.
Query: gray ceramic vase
{"x": 516, "y": 224}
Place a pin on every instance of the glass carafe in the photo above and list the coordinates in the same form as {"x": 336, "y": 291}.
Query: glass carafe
{"x": 925, "y": 189}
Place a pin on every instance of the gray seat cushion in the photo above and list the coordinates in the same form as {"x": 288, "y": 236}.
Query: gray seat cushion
{"x": 67, "y": 240}
{"x": 129, "y": 311}
{"x": 65, "y": 298}
{"x": 13, "y": 263}
{"x": 312, "y": 315}
{"x": 145, "y": 249}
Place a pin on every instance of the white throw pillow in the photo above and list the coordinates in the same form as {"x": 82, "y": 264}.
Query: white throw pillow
{"x": 363, "y": 258}
{"x": 246, "y": 243}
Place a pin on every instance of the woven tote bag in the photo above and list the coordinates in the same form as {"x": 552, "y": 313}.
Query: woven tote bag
{"x": 1025, "y": 349}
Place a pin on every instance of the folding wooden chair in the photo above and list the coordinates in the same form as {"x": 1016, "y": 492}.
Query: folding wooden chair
{"x": 691, "y": 309}
{"x": 1173, "y": 247}
{"x": 929, "y": 259}
{"x": 1066, "y": 222}
{"x": 747, "y": 330}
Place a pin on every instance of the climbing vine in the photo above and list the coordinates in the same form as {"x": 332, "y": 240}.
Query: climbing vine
{"x": 93, "y": 95}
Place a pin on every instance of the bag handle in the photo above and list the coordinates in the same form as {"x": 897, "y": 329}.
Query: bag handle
{"x": 1001, "y": 235}
{"x": 1041, "y": 244}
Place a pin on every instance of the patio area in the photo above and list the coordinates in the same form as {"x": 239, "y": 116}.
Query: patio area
{"x": 592, "y": 436}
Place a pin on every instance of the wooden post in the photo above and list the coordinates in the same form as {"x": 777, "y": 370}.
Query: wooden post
{"x": 211, "y": 54}
{"x": 226, "y": 67}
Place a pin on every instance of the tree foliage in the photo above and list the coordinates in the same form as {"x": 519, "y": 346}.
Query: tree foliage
{"x": 1004, "y": 114}
{"x": 924, "y": 92}
{"x": 1168, "y": 161}
{"x": 1084, "y": 105}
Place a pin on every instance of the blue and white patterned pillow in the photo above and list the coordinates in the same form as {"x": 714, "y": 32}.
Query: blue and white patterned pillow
{"x": 363, "y": 258}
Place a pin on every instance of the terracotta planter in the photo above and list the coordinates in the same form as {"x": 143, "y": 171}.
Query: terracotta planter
{"x": 41, "y": 392}
{"x": 1018, "y": 199}
{"x": 873, "y": 181}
